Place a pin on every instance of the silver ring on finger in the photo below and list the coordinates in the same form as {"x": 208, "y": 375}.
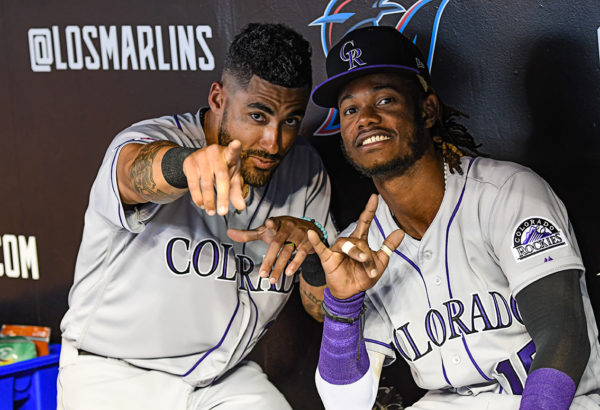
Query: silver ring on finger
{"x": 347, "y": 246}
{"x": 386, "y": 250}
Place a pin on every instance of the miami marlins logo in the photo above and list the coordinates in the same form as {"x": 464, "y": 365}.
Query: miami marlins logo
{"x": 420, "y": 21}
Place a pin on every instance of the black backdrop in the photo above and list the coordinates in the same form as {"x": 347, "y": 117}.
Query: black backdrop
{"x": 527, "y": 73}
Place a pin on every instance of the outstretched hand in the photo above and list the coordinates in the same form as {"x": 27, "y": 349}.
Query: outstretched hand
{"x": 284, "y": 235}
{"x": 216, "y": 166}
{"x": 350, "y": 265}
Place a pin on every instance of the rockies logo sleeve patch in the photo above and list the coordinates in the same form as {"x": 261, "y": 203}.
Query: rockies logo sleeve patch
{"x": 535, "y": 235}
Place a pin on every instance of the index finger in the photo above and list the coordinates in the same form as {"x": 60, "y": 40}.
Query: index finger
{"x": 233, "y": 152}
{"x": 365, "y": 218}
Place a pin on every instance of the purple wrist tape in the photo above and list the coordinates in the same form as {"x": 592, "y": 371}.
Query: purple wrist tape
{"x": 343, "y": 358}
{"x": 547, "y": 388}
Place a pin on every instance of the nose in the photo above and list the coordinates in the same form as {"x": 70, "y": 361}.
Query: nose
{"x": 270, "y": 139}
{"x": 368, "y": 116}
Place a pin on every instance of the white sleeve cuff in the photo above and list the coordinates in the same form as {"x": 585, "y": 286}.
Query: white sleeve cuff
{"x": 358, "y": 395}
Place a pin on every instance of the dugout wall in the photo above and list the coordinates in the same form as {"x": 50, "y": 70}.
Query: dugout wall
{"x": 73, "y": 74}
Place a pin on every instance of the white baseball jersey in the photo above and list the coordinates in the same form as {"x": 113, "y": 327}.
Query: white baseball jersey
{"x": 162, "y": 286}
{"x": 446, "y": 303}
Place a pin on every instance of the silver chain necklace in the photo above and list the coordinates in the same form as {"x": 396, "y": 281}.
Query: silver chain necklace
{"x": 445, "y": 175}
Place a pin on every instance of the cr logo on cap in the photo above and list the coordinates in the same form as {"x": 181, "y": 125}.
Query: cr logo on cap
{"x": 352, "y": 56}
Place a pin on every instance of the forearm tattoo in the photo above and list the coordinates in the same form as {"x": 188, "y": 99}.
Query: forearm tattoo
{"x": 141, "y": 172}
{"x": 312, "y": 304}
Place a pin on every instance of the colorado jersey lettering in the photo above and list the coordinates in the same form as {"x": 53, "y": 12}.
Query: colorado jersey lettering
{"x": 446, "y": 303}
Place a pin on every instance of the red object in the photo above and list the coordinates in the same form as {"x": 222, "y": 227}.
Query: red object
{"x": 39, "y": 335}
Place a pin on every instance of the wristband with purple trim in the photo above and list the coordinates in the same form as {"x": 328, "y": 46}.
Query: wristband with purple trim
{"x": 547, "y": 388}
{"x": 343, "y": 358}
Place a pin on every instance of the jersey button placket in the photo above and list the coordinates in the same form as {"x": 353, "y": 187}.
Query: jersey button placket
{"x": 427, "y": 257}
{"x": 456, "y": 359}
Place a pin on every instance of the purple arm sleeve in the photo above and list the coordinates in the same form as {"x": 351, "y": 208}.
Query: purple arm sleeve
{"x": 547, "y": 388}
{"x": 343, "y": 357}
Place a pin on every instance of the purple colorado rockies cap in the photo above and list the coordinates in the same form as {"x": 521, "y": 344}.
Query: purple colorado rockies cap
{"x": 366, "y": 51}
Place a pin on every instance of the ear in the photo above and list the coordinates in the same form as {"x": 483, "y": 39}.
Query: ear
{"x": 430, "y": 110}
{"x": 216, "y": 98}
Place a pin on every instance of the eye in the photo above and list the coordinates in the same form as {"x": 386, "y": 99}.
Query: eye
{"x": 385, "y": 100}
{"x": 258, "y": 117}
{"x": 292, "y": 122}
{"x": 349, "y": 111}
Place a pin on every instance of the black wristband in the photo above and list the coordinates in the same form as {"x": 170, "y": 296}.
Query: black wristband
{"x": 172, "y": 166}
{"x": 343, "y": 319}
{"x": 312, "y": 271}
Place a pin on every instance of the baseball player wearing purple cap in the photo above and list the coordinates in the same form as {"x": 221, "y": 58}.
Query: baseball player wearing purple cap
{"x": 191, "y": 223}
{"x": 466, "y": 267}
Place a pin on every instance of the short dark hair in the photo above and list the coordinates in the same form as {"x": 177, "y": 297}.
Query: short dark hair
{"x": 273, "y": 52}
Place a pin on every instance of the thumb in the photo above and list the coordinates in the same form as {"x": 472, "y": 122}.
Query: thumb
{"x": 240, "y": 235}
{"x": 322, "y": 251}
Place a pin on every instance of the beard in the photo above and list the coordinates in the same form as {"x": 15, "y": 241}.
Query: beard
{"x": 417, "y": 146}
{"x": 252, "y": 176}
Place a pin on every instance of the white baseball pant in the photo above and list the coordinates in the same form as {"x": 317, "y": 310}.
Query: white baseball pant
{"x": 98, "y": 383}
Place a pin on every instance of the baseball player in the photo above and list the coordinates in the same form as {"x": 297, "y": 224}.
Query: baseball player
{"x": 465, "y": 267}
{"x": 192, "y": 222}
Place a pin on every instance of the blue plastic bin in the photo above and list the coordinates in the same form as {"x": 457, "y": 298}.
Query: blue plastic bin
{"x": 30, "y": 384}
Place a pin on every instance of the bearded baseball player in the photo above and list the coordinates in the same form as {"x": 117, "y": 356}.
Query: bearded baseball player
{"x": 196, "y": 224}
{"x": 466, "y": 267}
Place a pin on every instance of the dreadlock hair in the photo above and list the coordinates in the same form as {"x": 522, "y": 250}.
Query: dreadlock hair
{"x": 273, "y": 52}
{"x": 452, "y": 139}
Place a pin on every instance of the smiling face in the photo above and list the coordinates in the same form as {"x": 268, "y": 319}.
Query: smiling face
{"x": 383, "y": 131}
{"x": 264, "y": 117}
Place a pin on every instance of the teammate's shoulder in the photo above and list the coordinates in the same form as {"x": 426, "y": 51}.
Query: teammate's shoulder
{"x": 183, "y": 129}
{"x": 495, "y": 172}
{"x": 183, "y": 122}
